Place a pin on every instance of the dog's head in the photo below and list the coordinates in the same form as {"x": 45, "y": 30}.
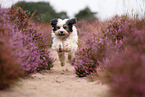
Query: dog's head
{"x": 63, "y": 28}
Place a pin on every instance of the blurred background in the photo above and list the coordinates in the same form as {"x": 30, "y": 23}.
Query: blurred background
{"x": 82, "y": 9}
{"x": 111, "y": 41}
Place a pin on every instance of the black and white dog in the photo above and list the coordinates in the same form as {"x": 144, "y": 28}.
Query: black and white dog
{"x": 65, "y": 38}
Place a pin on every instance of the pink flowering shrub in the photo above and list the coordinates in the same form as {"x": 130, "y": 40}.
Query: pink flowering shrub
{"x": 124, "y": 70}
{"x": 46, "y": 29}
{"x": 10, "y": 70}
{"x": 89, "y": 57}
{"x": 113, "y": 37}
{"x": 25, "y": 50}
{"x": 117, "y": 54}
{"x": 33, "y": 52}
{"x": 86, "y": 60}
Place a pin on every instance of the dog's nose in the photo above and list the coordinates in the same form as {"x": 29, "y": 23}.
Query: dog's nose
{"x": 61, "y": 32}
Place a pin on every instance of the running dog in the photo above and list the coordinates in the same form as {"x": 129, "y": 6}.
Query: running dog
{"x": 65, "y": 38}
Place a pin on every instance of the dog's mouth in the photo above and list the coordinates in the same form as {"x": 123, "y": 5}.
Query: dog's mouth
{"x": 61, "y": 34}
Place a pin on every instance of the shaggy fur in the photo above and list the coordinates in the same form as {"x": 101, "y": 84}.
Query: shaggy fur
{"x": 65, "y": 38}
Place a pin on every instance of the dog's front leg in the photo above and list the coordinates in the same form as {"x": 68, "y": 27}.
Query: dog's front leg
{"x": 61, "y": 58}
{"x": 71, "y": 56}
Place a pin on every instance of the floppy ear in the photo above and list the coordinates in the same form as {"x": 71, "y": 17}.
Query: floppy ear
{"x": 53, "y": 22}
{"x": 72, "y": 21}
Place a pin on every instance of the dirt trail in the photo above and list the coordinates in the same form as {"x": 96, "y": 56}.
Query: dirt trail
{"x": 56, "y": 83}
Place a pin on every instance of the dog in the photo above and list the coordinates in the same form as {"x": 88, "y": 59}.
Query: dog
{"x": 65, "y": 38}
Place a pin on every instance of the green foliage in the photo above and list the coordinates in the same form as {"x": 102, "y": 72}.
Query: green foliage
{"x": 86, "y": 14}
{"x": 43, "y": 10}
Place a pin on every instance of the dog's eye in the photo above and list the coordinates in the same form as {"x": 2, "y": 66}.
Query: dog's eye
{"x": 58, "y": 27}
{"x": 65, "y": 27}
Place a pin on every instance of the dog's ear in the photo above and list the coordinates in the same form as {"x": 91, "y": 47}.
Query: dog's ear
{"x": 72, "y": 21}
{"x": 54, "y": 22}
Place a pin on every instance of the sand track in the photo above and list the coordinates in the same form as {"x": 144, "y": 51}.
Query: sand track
{"x": 56, "y": 83}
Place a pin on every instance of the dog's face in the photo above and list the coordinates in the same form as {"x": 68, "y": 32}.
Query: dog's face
{"x": 63, "y": 28}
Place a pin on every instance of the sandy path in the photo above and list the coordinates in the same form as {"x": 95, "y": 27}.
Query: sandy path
{"x": 56, "y": 83}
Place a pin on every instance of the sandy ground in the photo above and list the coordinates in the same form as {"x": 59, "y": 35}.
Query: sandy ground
{"x": 57, "y": 82}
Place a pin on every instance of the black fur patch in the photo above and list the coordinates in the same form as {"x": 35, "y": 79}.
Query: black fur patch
{"x": 70, "y": 23}
{"x": 54, "y": 23}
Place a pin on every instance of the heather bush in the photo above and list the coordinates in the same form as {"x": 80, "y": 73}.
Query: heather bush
{"x": 27, "y": 53}
{"x": 28, "y": 43}
{"x": 124, "y": 70}
{"x": 124, "y": 73}
{"x": 89, "y": 57}
{"x": 46, "y": 29}
{"x": 86, "y": 61}
{"x": 9, "y": 69}
{"x": 121, "y": 31}
{"x": 92, "y": 50}
{"x": 114, "y": 37}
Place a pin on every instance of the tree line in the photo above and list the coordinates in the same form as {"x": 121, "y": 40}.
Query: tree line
{"x": 44, "y": 12}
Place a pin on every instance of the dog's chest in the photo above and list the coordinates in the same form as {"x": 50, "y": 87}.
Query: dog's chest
{"x": 70, "y": 44}
{"x": 67, "y": 45}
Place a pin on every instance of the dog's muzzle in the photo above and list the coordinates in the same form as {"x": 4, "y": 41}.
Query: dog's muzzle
{"x": 61, "y": 33}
